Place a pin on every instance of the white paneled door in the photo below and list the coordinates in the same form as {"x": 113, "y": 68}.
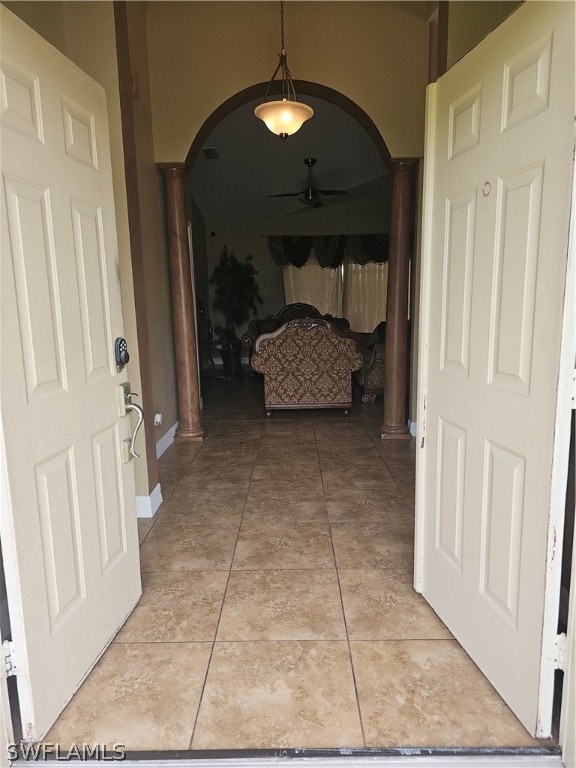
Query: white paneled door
{"x": 497, "y": 208}
{"x": 68, "y": 523}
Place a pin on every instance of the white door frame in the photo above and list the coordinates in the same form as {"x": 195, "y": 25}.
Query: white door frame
{"x": 567, "y": 402}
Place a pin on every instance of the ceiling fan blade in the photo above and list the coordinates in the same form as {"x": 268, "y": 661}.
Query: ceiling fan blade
{"x": 311, "y": 196}
{"x": 297, "y": 212}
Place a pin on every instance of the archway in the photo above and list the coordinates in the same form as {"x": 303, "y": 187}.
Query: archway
{"x": 394, "y": 421}
{"x": 303, "y": 87}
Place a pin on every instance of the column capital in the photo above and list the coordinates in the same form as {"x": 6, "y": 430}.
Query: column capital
{"x": 407, "y": 161}
{"x": 172, "y": 169}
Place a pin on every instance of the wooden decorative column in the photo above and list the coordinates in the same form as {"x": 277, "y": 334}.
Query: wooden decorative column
{"x": 183, "y": 321}
{"x": 396, "y": 349}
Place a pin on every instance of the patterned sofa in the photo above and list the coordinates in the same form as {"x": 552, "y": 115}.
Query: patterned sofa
{"x": 259, "y": 325}
{"x": 307, "y": 363}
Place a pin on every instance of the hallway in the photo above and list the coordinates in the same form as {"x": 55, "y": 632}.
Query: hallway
{"x": 278, "y": 608}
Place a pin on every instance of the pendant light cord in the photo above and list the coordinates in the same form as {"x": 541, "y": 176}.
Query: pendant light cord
{"x": 283, "y": 116}
{"x": 288, "y": 90}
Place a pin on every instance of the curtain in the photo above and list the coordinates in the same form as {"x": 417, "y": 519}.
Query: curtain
{"x": 313, "y": 285}
{"x": 364, "y": 302}
{"x": 330, "y": 250}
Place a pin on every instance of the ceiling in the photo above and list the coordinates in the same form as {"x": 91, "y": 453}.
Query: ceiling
{"x": 232, "y": 190}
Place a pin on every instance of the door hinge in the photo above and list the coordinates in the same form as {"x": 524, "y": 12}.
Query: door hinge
{"x": 574, "y": 389}
{"x": 10, "y": 656}
{"x": 559, "y": 650}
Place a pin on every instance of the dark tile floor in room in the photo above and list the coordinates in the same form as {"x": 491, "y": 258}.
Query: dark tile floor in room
{"x": 277, "y": 607}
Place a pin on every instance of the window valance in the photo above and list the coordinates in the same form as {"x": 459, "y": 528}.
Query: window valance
{"x": 329, "y": 250}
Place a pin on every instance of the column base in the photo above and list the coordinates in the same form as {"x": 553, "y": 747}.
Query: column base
{"x": 189, "y": 436}
{"x": 394, "y": 433}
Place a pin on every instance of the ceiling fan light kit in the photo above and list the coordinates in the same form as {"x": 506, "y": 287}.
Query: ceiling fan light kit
{"x": 311, "y": 195}
{"x": 287, "y": 115}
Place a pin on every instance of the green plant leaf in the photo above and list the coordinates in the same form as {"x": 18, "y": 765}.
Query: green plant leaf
{"x": 236, "y": 292}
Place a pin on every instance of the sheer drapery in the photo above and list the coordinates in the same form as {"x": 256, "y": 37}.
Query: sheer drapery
{"x": 364, "y": 302}
{"x": 313, "y": 285}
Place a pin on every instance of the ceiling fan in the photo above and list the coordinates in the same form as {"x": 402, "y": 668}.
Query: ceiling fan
{"x": 311, "y": 195}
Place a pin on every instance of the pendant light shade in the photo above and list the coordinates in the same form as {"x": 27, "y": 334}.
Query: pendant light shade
{"x": 283, "y": 116}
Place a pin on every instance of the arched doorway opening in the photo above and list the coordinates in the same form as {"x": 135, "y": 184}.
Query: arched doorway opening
{"x": 235, "y": 174}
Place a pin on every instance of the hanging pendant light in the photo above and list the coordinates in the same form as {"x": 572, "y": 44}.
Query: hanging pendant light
{"x": 286, "y": 116}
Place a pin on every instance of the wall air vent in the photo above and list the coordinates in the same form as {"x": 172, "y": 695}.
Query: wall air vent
{"x": 211, "y": 153}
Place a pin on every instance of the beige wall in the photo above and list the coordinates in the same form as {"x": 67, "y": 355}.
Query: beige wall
{"x": 202, "y": 53}
{"x": 153, "y": 225}
{"x": 47, "y": 18}
{"x": 470, "y": 21}
{"x": 84, "y": 31}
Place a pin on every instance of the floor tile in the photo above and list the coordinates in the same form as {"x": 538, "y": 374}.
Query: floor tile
{"x": 176, "y": 608}
{"x": 289, "y": 479}
{"x": 346, "y": 429}
{"x": 223, "y": 461}
{"x": 367, "y": 495}
{"x": 272, "y": 544}
{"x": 352, "y": 477}
{"x": 390, "y": 506}
{"x": 229, "y": 478}
{"x": 374, "y": 545}
{"x": 144, "y": 526}
{"x": 205, "y": 507}
{"x": 143, "y": 695}
{"x": 306, "y": 453}
{"x": 296, "y": 505}
{"x": 231, "y": 444}
{"x": 227, "y": 448}
{"x": 429, "y": 693}
{"x": 378, "y": 606}
{"x": 293, "y": 429}
{"x": 299, "y": 473}
{"x": 282, "y": 605}
{"x": 174, "y": 545}
{"x": 278, "y": 694}
{"x": 340, "y": 453}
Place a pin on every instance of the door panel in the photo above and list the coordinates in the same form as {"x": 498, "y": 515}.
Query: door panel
{"x": 69, "y": 535}
{"x": 497, "y": 202}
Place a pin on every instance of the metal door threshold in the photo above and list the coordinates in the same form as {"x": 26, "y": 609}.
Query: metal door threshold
{"x": 401, "y": 757}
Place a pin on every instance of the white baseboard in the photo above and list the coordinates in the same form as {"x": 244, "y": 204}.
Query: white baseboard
{"x": 166, "y": 440}
{"x": 413, "y": 427}
{"x": 147, "y": 506}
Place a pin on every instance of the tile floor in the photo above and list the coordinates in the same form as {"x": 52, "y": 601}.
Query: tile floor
{"x": 278, "y": 608}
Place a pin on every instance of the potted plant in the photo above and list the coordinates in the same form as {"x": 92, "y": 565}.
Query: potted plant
{"x": 236, "y": 295}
